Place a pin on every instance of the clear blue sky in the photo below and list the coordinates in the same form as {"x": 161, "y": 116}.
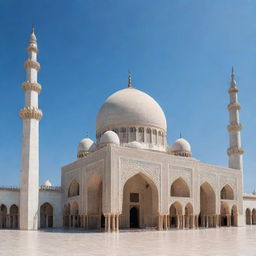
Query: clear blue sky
{"x": 180, "y": 52}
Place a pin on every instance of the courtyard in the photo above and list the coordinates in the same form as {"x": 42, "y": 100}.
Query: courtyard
{"x": 221, "y": 241}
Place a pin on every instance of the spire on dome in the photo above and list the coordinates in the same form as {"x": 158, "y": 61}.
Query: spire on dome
{"x": 129, "y": 79}
{"x": 180, "y": 135}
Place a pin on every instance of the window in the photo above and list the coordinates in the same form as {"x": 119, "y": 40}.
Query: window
{"x": 134, "y": 197}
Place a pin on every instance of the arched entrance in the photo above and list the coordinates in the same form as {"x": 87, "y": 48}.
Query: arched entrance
{"x": 66, "y": 215}
{"x": 94, "y": 202}
{"x": 248, "y": 216}
{"x": 134, "y": 217}
{"x": 227, "y": 193}
{"x": 46, "y": 216}
{"x": 234, "y": 215}
{"x": 224, "y": 215}
{"x": 207, "y": 206}
{"x": 140, "y": 203}
{"x": 176, "y": 215}
{"x": 14, "y": 216}
{"x": 3, "y": 213}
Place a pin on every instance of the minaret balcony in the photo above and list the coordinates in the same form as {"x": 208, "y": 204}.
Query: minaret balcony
{"x": 29, "y": 86}
{"x": 234, "y": 105}
{"x": 32, "y": 64}
{"x": 234, "y": 127}
{"x": 30, "y": 113}
{"x": 233, "y": 90}
{"x": 235, "y": 150}
{"x": 32, "y": 47}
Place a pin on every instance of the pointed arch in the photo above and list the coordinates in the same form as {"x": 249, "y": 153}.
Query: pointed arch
{"x": 176, "y": 215}
{"x": 74, "y": 210}
{"x": 66, "y": 215}
{"x": 46, "y": 215}
{"x": 234, "y": 214}
{"x": 227, "y": 193}
{"x": 94, "y": 201}
{"x": 139, "y": 191}
{"x": 14, "y": 216}
{"x": 73, "y": 189}
{"x": 3, "y": 215}
{"x": 207, "y": 205}
{"x": 224, "y": 213}
{"x": 248, "y": 216}
{"x": 180, "y": 188}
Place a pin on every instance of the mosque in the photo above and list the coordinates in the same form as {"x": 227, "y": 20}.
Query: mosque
{"x": 129, "y": 177}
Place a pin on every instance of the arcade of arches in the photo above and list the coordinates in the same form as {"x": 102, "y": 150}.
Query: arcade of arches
{"x": 250, "y": 216}
{"x": 140, "y": 207}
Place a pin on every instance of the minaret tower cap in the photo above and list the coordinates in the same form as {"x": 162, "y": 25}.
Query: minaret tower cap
{"x": 32, "y": 38}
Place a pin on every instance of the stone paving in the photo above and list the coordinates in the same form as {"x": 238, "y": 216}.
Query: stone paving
{"x": 222, "y": 241}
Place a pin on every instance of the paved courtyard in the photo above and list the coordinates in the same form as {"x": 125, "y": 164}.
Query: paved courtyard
{"x": 223, "y": 241}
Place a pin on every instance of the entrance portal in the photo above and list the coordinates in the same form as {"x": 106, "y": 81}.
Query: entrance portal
{"x": 134, "y": 217}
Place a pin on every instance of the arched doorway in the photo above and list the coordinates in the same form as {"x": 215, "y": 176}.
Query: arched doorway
{"x": 234, "y": 215}
{"x": 189, "y": 221}
{"x": 224, "y": 215}
{"x": 179, "y": 188}
{"x": 176, "y": 215}
{"x": 3, "y": 213}
{"x": 253, "y": 216}
{"x": 94, "y": 202}
{"x": 134, "y": 217}
{"x": 207, "y": 205}
{"x": 227, "y": 193}
{"x": 46, "y": 216}
{"x": 14, "y": 216}
{"x": 140, "y": 198}
{"x": 248, "y": 216}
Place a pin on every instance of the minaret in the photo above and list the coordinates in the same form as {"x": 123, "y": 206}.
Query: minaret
{"x": 235, "y": 151}
{"x": 30, "y": 114}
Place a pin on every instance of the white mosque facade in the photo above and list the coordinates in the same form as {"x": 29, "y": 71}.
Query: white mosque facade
{"x": 129, "y": 177}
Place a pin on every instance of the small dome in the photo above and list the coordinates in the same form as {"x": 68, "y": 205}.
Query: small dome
{"x": 109, "y": 137}
{"x": 47, "y": 184}
{"x": 134, "y": 144}
{"x": 181, "y": 147}
{"x": 85, "y": 146}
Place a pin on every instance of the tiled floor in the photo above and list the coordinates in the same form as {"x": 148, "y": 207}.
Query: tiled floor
{"x": 223, "y": 241}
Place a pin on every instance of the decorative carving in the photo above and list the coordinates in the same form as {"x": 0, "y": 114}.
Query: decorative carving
{"x": 32, "y": 64}
{"x": 209, "y": 178}
{"x": 27, "y": 86}
{"x": 234, "y": 105}
{"x": 234, "y": 127}
{"x": 176, "y": 172}
{"x": 30, "y": 113}
{"x": 235, "y": 150}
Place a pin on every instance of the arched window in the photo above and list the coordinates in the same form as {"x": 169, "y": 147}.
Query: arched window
{"x": 227, "y": 193}
{"x": 73, "y": 189}
{"x": 141, "y": 134}
{"x": 180, "y": 188}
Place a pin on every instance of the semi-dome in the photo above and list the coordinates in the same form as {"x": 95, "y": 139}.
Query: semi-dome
{"x": 109, "y": 137}
{"x": 181, "y": 147}
{"x": 130, "y": 107}
{"x": 85, "y": 147}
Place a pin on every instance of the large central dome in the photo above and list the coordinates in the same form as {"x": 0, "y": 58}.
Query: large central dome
{"x": 130, "y": 107}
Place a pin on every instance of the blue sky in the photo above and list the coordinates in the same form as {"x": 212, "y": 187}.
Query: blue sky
{"x": 180, "y": 52}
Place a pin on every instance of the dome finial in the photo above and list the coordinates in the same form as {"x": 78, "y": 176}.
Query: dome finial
{"x": 129, "y": 79}
{"x": 232, "y": 74}
{"x": 180, "y": 135}
{"x": 33, "y": 29}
